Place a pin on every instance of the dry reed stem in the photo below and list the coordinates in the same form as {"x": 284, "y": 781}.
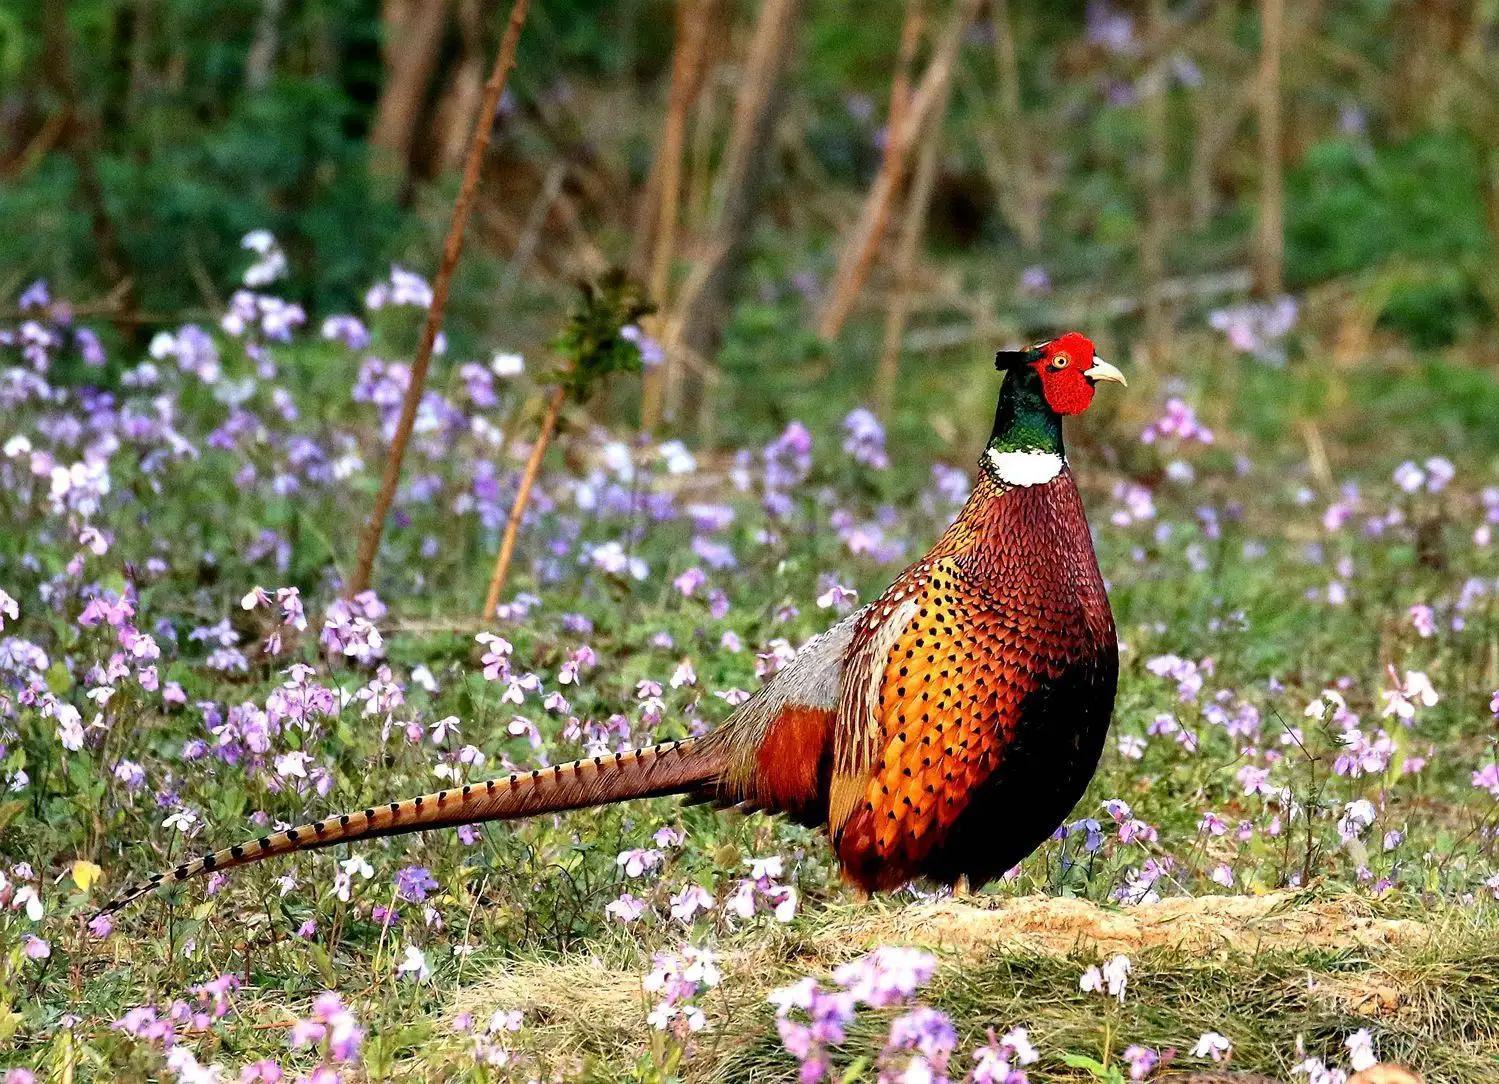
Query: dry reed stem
{"x": 857, "y": 258}
{"x": 1270, "y": 245}
{"x": 522, "y": 498}
{"x": 494, "y": 89}
{"x": 887, "y": 375}
{"x": 687, "y": 63}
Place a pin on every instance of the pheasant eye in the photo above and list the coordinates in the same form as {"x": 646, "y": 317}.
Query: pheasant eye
{"x": 1061, "y": 361}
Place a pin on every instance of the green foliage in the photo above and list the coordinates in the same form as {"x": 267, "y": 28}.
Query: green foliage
{"x": 192, "y": 154}
{"x": 1414, "y": 210}
{"x": 595, "y": 342}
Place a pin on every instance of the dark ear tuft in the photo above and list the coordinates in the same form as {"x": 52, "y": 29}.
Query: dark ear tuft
{"x": 1005, "y": 360}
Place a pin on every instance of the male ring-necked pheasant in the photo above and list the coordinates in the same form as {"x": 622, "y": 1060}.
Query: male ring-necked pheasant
{"x": 942, "y": 731}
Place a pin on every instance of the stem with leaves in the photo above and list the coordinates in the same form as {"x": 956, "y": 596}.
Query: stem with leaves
{"x": 602, "y": 336}
{"x": 494, "y": 89}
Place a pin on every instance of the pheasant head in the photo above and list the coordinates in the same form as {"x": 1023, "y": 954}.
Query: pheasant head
{"x": 1043, "y": 383}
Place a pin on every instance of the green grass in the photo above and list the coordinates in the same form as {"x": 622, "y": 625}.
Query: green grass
{"x": 529, "y": 899}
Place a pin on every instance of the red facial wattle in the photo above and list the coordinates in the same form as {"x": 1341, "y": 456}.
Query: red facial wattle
{"x": 1062, "y": 367}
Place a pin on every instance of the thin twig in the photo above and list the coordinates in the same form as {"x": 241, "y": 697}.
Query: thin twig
{"x": 686, "y": 80}
{"x": 494, "y": 89}
{"x": 926, "y": 104}
{"x": 530, "y": 237}
{"x": 522, "y": 498}
{"x": 1269, "y": 250}
{"x": 887, "y": 375}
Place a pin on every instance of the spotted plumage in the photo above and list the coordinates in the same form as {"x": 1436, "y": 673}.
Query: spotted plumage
{"x": 943, "y": 730}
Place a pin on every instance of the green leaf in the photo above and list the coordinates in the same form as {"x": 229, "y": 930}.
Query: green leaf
{"x": 1083, "y": 1061}
{"x": 854, "y": 1071}
{"x": 59, "y": 681}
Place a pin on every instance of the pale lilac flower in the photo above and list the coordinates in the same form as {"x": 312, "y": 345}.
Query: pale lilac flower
{"x": 886, "y": 975}
{"x": 638, "y": 862}
{"x": 690, "y": 901}
{"x": 1407, "y": 695}
{"x": 346, "y": 329}
{"x": 838, "y": 598}
{"x": 496, "y": 658}
{"x": 1142, "y": 1061}
{"x": 1113, "y": 976}
{"x": 864, "y": 439}
{"x": 1258, "y": 328}
{"x": 413, "y": 883}
{"x": 652, "y": 353}
{"x": 626, "y": 909}
{"x": 1180, "y": 423}
{"x": 1035, "y": 281}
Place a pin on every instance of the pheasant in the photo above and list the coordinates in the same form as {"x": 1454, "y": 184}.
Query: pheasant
{"x": 942, "y": 731}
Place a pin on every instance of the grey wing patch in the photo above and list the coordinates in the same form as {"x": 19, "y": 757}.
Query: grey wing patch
{"x": 811, "y": 679}
{"x": 859, "y": 694}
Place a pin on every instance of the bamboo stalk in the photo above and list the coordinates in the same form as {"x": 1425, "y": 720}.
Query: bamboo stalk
{"x": 1017, "y": 178}
{"x": 501, "y": 570}
{"x": 494, "y": 89}
{"x": 413, "y": 37}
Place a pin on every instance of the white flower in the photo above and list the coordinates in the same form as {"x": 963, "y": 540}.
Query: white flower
{"x": 505, "y": 1020}
{"x": 1317, "y": 1072}
{"x": 258, "y": 241}
{"x": 1019, "y": 1040}
{"x": 414, "y": 964}
{"x": 26, "y": 897}
{"x": 507, "y": 365}
{"x": 1212, "y": 1045}
{"x": 1356, "y": 818}
{"x": 1116, "y": 974}
{"x": 677, "y": 458}
{"x": 183, "y": 820}
{"x": 1360, "y": 1046}
{"x": 272, "y": 263}
{"x": 8, "y": 608}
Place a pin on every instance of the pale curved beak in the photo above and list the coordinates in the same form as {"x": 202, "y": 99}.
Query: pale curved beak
{"x": 1103, "y": 371}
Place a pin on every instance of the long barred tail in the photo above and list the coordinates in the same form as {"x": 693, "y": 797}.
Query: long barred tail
{"x": 669, "y": 768}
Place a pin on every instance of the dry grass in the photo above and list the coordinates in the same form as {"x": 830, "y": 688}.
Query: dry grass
{"x": 1262, "y": 969}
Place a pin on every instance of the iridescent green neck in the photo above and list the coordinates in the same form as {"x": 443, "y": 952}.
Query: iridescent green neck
{"x": 1023, "y": 422}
